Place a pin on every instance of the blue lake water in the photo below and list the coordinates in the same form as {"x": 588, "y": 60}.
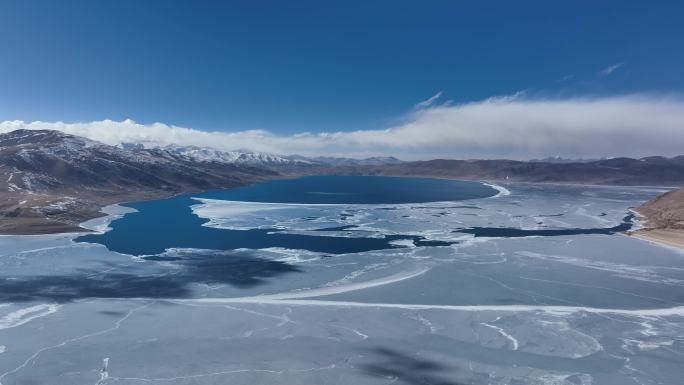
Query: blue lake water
{"x": 507, "y": 232}
{"x": 170, "y": 223}
{"x": 355, "y": 190}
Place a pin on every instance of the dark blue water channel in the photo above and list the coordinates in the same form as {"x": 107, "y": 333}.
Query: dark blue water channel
{"x": 170, "y": 223}
{"x": 507, "y": 232}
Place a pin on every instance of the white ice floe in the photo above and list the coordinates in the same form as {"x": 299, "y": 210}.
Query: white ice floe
{"x": 216, "y": 208}
{"x": 113, "y": 212}
{"x": 27, "y": 314}
{"x": 292, "y": 256}
{"x": 647, "y": 345}
{"x": 403, "y": 243}
{"x": 502, "y": 190}
{"x": 104, "y": 372}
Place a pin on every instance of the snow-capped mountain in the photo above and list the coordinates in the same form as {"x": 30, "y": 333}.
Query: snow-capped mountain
{"x": 210, "y": 155}
{"x": 560, "y": 159}
{"x": 373, "y": 161}
{"x": 51, "y": 181}
{"x": 39, "y": 160}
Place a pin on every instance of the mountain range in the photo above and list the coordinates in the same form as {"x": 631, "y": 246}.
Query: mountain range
{"x": 653, "y": 170}
{"x": 51, "y": 181}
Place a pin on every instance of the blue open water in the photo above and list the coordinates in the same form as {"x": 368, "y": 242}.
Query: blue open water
{"x": 170, "y": 223}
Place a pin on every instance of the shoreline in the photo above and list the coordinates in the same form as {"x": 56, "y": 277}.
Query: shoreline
{"x": 662, "y": 220}
{"x": 673, "y": 238}
{"x": 44, "y": 225}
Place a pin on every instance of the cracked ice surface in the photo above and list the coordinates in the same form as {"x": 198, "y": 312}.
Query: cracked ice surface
{"x": 575, "y": 309}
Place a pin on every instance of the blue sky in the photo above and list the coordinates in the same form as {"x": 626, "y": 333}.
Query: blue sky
{"x": 322, "y": 66}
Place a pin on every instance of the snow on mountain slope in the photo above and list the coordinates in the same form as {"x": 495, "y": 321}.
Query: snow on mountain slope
{"x": 210, "y": 155}
{"x": 48, "y": 160}
{"x": 373, "y": 161}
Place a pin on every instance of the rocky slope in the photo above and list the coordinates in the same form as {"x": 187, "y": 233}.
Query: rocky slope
{"x": 51, "y": 181}
{"x": 665, "y": 211}
{"x": 210, "y": 155}
{"x": 664, "y": 219}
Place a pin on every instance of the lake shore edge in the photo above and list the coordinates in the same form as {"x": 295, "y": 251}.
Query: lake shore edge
{"x": 663, "y": 219}
{"x": 668, "y": 237}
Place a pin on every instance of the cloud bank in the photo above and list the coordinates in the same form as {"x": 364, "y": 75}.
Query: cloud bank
{"x": 505, "y": 127}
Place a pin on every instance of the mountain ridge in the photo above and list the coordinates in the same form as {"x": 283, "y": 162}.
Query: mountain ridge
{"x": 658, "y": 171}
{"x": 43, "y": 171}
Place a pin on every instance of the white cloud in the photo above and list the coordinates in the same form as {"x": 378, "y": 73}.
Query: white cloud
{"x": 513, "y": 127}
{"x": 566, "y": 78}
{"x": 428, "y": 102}
{"x": 610, "y": 69}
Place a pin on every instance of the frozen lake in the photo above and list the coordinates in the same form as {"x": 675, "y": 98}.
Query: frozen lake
{"x": 322, "y": 281}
